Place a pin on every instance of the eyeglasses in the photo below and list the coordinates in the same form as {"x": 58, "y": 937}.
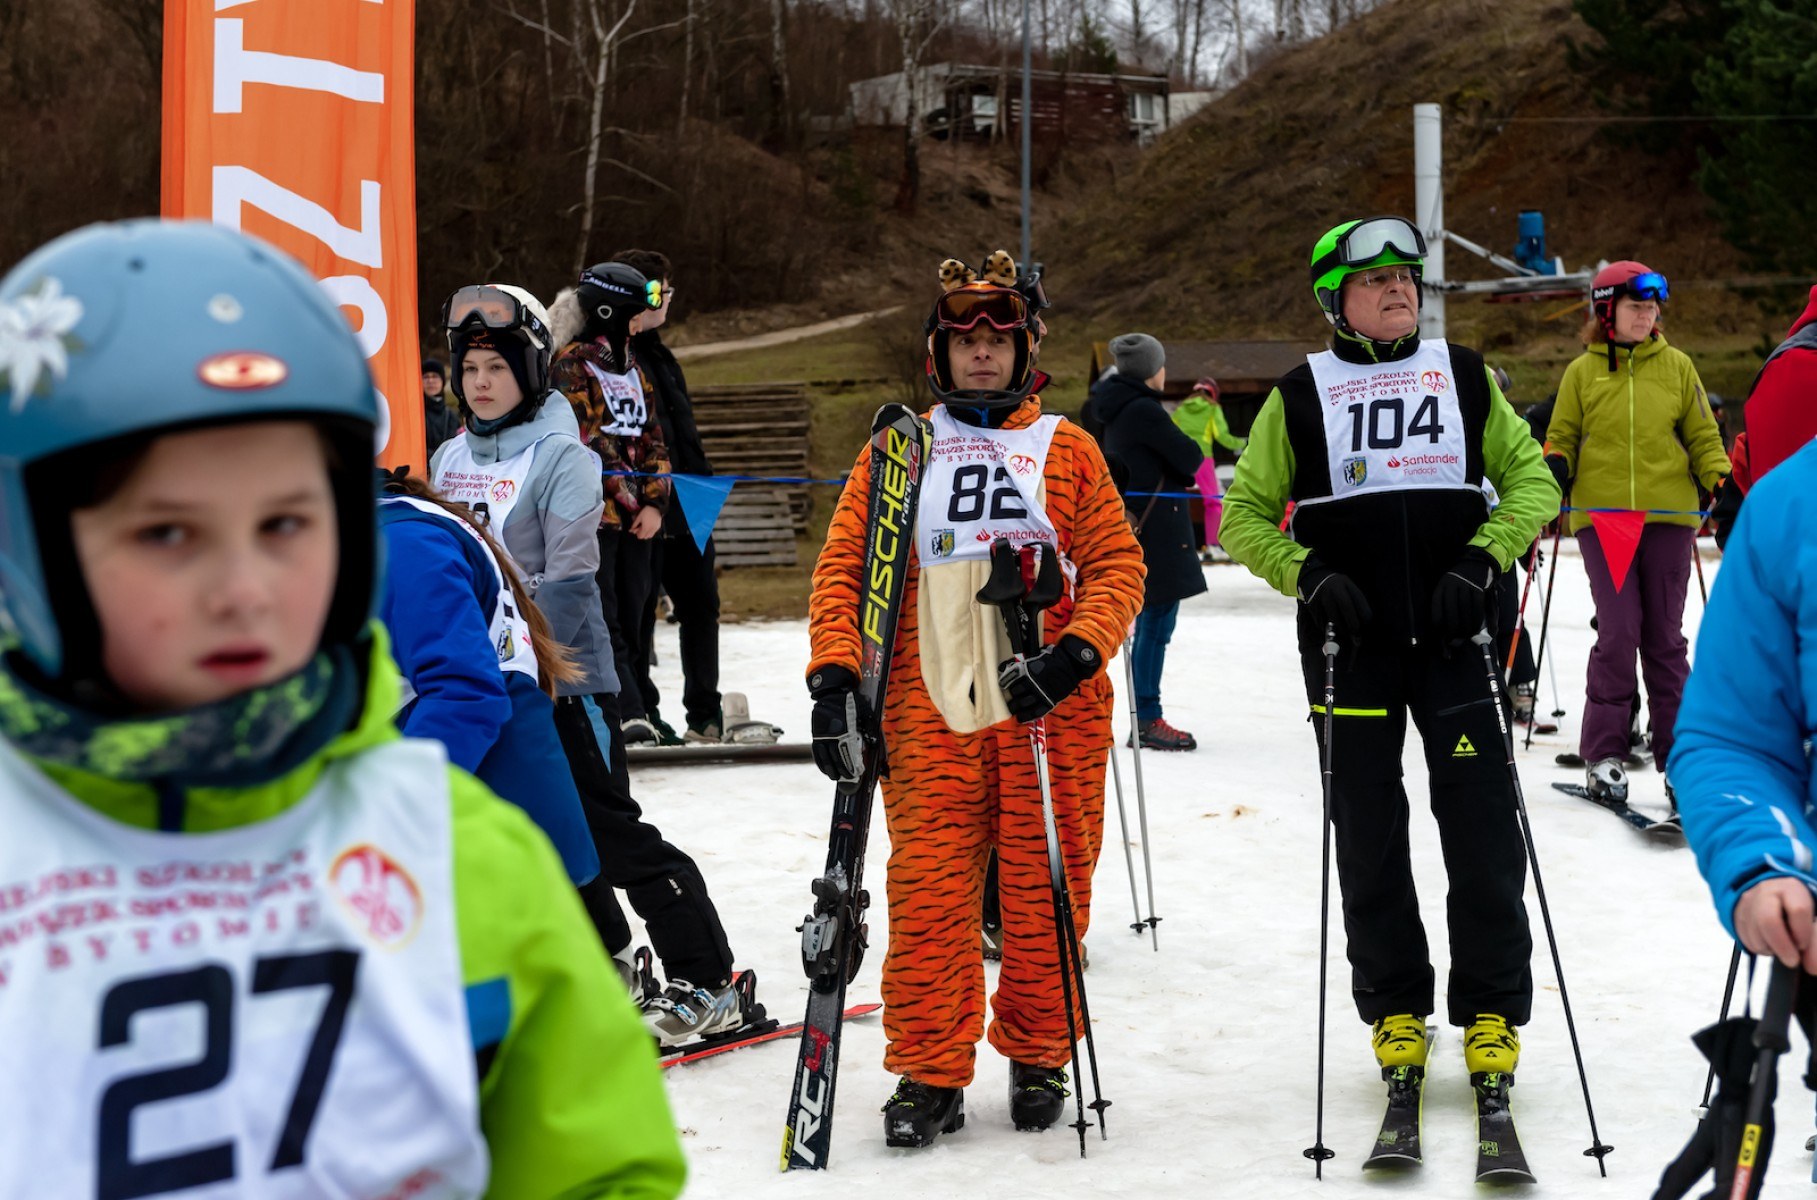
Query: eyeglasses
{"x": 493, "y": 307}
{"x": 1377, "y": 236}
{"x": 1384, "y": 276}
{"x": 654, "y": 293}
{"x": 963, "y": 309}
{"x": 1651, "y": 286}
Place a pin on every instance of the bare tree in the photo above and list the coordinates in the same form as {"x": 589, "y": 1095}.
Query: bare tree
{"x": 1289, "y": 21}
{"x": 604, "y": 55}
{"x": 780, "y": 122}
{"x": 687, "y": 66}
{"x": 917, "y": 21}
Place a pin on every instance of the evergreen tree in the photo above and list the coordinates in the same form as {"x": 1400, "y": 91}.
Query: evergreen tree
{"x": 1761, "y": 175}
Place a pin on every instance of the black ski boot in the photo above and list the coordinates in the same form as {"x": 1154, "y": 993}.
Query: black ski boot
{"x": 1037, "y": 1095}
{"x": 918, "y": 1113}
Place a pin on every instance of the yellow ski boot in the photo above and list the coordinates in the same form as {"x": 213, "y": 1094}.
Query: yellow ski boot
{"x": 1491, "y": 1044}
{"x": 1400, "y": 1041}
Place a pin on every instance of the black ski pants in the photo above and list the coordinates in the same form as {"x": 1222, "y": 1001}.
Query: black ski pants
{"x": 693, "y": 589}
{"x": 664, "y": 886}
{"x": 625, "y": 583}
{"x": 1448, "y": 697}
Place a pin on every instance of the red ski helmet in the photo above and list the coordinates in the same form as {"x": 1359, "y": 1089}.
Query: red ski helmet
{"x": 1624, "y": 278}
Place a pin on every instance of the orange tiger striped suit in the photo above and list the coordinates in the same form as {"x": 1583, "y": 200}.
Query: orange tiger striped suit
{"x": 950, "y": 796}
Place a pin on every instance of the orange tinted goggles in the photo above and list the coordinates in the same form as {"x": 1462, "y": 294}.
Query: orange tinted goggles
{"x": 1000, "y": 308}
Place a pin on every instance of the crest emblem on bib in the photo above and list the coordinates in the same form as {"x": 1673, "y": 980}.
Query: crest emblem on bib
{"x": 1356, "y": 470}
{"x": 1434, "y": 382}
{"x": 502, "y": 490}
{"x": 943, "y": 543}
{"x": 379, "y": 893}
{"x": 1021, "y": 464}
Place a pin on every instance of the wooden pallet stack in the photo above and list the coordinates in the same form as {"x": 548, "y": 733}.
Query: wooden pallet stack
{"x": 757, "y": 429}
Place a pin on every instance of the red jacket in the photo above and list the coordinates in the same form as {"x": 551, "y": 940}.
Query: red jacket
{"x": 1782, "y": 409}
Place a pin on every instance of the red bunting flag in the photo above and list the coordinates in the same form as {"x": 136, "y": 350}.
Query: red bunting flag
{"x": 1619, "y": 535}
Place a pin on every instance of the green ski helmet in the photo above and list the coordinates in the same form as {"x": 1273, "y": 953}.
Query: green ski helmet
{"x": 1356, "y": 246}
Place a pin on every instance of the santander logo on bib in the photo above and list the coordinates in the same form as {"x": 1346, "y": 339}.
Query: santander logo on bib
{"x": 378, "y": 893}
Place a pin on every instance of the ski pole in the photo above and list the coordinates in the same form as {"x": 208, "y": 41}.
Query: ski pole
{"x": 1702, "y": 589}
{"x": 1728, "y": 993}
{"x": 1020, "y": 585}
{"x": 1770, "y": 1040}
{"x": 1597, "y": 1149}
{"x": 1116, "y": 777}
{"x": 1317, "y": 1152}
{"x": 1545, "y": 620}
{"x": 1558, "y": 705}
{"x": 1520, "y": 614}
{"x": 1135, "y": 742}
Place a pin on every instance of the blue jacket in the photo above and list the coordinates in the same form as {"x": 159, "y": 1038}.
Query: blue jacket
{"x": 440, "y": 589}
{"x": 1740, "y": 764}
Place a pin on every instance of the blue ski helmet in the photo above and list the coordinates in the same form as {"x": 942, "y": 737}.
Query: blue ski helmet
{"x": 119, "y": 332}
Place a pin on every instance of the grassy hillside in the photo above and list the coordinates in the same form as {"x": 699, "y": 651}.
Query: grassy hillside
{"x": 1208, "y": 235}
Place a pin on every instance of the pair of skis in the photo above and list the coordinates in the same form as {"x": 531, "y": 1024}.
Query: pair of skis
{"x": 1666, "y": 831}
{"x": 833, "y": 935}
{"x": 1499, "y": 1158}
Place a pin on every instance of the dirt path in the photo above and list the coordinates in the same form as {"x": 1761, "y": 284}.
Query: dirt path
{"x": 780, "y": 337}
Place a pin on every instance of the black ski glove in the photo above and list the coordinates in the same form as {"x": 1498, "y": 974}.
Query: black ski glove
{"x": 1727, "y": 509}
{"x": 1035, "y": 686}
{"x": 1332, "y": 598}
{"x": 1561, "y": 471}
{"x": 1460, "y": 602}
{"x": 1716, "y": 1144}
{"x": 838, "y": 722}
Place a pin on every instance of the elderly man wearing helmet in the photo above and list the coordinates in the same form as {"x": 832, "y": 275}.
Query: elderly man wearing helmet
{"x": 961, "y": 774}
{"x": 1387, "y": 444}
{"x": 1633, "y": 431}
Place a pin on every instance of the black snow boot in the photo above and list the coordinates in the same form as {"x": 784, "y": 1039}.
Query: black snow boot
{"x": 918, "y": 1113}
{"x": 1037, "y": 1095}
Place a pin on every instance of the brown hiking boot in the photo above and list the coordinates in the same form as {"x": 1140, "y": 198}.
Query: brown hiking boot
{"x": 1159, "y": 735}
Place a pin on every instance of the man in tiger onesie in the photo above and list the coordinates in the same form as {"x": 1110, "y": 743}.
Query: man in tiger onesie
{"x": 961, "y": 775}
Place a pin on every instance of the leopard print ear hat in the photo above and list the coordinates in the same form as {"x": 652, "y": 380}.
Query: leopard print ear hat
{"x": 999, "y": 269}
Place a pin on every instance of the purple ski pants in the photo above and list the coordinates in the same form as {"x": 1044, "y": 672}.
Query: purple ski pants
{"x": 1645, "y": 617}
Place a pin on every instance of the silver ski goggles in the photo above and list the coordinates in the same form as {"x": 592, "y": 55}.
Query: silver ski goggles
{"x": 1375, "y": 237}
{"x": 493, "y": 307}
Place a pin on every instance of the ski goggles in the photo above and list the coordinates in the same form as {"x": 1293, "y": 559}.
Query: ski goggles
{"x": 1371, "y": 239}
{"x": 1650, "y": 286}
{"x": 1000, "y": 308}
{"x": 493, "y": 307}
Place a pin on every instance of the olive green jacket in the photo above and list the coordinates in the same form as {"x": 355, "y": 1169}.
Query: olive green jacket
{"x": 1640, "y": 437}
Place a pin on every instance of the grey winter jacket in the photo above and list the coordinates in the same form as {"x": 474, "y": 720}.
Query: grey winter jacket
{"x": 550, "y": 532}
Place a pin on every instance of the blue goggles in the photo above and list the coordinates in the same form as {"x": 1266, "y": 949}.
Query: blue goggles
{"x": 1651, "y": 286}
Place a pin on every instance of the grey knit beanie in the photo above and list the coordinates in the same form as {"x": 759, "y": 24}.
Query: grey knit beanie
{"x": 1137, "y": 356}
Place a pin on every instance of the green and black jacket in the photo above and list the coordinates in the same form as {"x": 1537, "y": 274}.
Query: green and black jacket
{"x": 1395, "y": 544}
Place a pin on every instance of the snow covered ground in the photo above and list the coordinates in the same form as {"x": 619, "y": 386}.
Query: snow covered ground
{"x": 1207, "y": 1047}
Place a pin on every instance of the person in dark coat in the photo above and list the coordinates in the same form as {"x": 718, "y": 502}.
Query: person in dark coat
{"x": 1159, "y": 458}
{"x": 685, "y": 571}
{"x": 440, "y": 423}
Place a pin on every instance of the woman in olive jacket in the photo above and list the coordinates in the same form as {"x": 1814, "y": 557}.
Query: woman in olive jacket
{"x": 1633, "y": 432}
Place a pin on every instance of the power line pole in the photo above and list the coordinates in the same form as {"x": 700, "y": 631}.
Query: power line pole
{"x": 1027, "y": 132}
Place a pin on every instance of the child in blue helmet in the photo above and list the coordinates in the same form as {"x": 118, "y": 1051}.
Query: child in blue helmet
{"x": 262, "y": 943}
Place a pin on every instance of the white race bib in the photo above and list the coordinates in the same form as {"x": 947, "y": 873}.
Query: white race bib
{"x": 626, "y": 410}
{"x": 270, "y": 1012}
{"x": 491, "y": 490}
{"x": 1391, "y": 425}
{"x": 980, "y": 485}
{"x": 509, "y": 630}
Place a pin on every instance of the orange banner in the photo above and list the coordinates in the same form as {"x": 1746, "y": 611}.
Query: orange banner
{"x": 292, "y": 120}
